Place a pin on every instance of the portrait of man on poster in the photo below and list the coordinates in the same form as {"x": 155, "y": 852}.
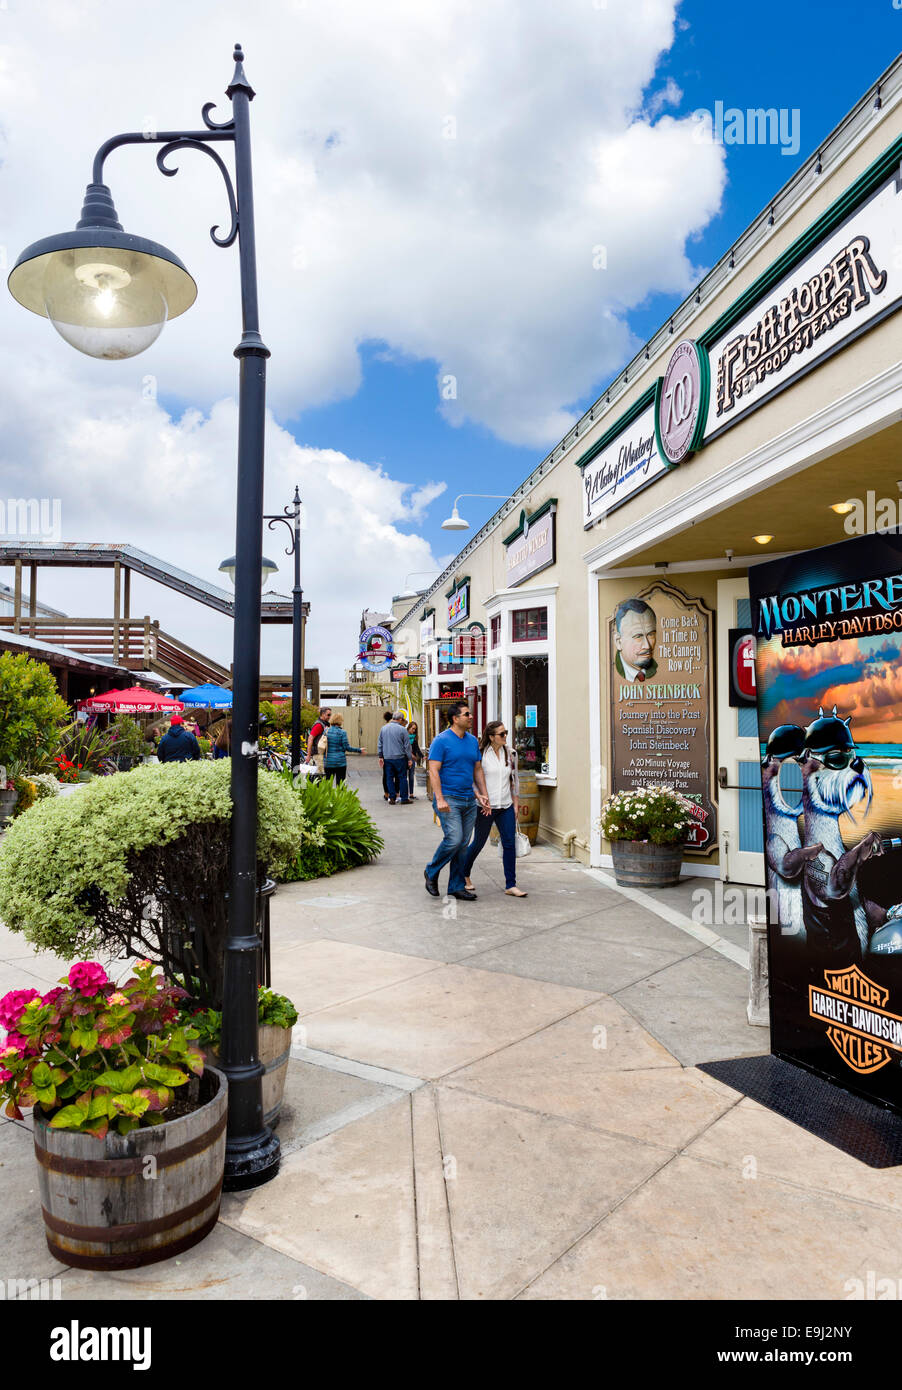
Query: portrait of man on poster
{"x": 635, "y": 635}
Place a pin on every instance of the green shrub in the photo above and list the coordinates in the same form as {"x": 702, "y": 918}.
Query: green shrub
{"x": 349, "y": 835}
{"x": 141, "y": 863}
{"x": 127, "y": 738}
{"x": 31, "y": 709}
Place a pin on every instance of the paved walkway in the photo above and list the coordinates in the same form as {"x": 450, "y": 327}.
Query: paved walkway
{"x": 498, "y": 1100}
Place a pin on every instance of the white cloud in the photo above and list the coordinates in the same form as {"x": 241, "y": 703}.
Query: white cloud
{"x": 434, "y": 177}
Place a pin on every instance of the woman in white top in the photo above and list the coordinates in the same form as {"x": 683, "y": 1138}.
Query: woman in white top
{"x": 499, "y": 763}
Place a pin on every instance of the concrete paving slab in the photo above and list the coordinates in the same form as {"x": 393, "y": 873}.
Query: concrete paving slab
{"x": 439, "y": 1021}
{"x": 23, "y": 1247}
{"x": 321, "y": 973}
{"x": 582, "y": 958}
{"x": 696, "y": 1008}
{"x": 225, "y": 1265}
{"x": 752, "y": 1137}
{"x": 435, "y": 1253}
{"x": 345, "y": 1206}
{"x": 317, "y": 1102}
{"x": 697, "y": 1231}
{"x": 523, "y": 1187}
{"x": 437, "y": 931}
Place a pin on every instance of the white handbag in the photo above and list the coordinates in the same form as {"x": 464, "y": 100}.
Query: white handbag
{"x": 522, "y": 844}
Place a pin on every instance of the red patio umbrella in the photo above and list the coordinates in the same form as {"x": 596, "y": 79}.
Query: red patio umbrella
{"x": 131, "y": 701}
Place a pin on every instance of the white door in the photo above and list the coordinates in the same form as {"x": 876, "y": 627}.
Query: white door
{"x": 741, "y": 838}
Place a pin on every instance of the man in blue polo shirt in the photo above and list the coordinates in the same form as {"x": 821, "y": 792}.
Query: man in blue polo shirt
{"x": 455, "y": 764}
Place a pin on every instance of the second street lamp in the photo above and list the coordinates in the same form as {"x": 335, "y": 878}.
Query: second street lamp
{"x": 291, "y": 517}
{"x": 108, "y": 293}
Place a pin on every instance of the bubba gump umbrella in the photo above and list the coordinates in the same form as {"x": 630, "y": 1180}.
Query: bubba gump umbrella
{"x": 207, "y": 696}
{"x": 134, "y": 700}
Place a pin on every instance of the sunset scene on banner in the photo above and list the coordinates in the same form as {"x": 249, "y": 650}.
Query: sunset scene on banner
{"x": 861, "y": 676}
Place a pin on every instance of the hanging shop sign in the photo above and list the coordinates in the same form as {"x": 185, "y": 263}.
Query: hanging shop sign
{"x": 851, "y": 278}
{"x": 376, "y": 650}
{"x": 427, "y": 629}
{"x": 531, "y": 548}
{"x": 741, "y": 656}
{"x": 417, "y": 667}
{"x": 398, "y": 673}
{"x": 468, "y": 645}
{"x": 659, "y": 644}
{"x": 828, "y": 627}
{"x": 458, "y": 602}
{"x": 627, "y": 464}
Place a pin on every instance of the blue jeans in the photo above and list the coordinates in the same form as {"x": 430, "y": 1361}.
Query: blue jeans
{"x": 457, "y": 824}
{"x": 396, "y": 777}
{"x": 506, "y": 822}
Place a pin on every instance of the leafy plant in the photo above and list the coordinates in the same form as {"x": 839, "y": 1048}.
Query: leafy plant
{"x": 127, "y": 738}
{"x": 274, "y": 1010}
{"x": 349, "y": 835}
{"x": 27, "y": 794}
{"x": 91, "y": 749}
{"x": 31, "y": 708}
{"x": 657, "y": 814}
{"x": 92, "y": 1053}
{"x": 142, "y": 863}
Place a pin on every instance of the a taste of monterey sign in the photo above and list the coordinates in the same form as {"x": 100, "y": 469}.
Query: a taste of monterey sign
{"x": 845, "y": 283}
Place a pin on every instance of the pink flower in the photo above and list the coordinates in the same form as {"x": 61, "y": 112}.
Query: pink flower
{"x": 52, "y": 995}
{"x": 87, "y": 977}
{"x": 12, "y": 1005}
{"x": 117, "y": 998}
{"x": 14, "y": 1043}
{"x": 5, "y": 1075}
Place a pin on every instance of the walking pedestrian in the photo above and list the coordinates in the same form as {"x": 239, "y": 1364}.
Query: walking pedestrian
{"x": 416, "y": 750}
{"x": 316, "y": 733}
{"x": 222, "y": 748}
{"x": 457, "y": 782}
{"x": 386, "y": 719}
{"x": 499, "y": 764}
{"x": 395, "y": 757}
{"x": 178, "y": 746}
{"x": 335, "y": 763}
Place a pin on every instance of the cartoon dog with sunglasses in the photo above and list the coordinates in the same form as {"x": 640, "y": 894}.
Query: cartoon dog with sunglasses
{"x": 839, "y": 919}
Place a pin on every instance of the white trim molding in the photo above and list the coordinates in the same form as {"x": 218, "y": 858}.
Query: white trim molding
{"x": 503, "y": 603}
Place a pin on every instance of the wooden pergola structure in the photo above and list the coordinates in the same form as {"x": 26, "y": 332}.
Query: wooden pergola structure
{"x": 130, "y": 643}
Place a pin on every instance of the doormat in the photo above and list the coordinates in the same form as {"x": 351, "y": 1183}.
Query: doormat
{"x": 856, "y": 1126}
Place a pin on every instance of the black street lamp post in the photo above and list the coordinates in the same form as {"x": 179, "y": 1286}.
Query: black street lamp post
{"x": 291, "y": 517}
{"x": 108, "y": 293}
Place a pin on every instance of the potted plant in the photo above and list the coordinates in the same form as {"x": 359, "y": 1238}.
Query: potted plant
{"x": 647, "y": 828}
{"x": 129, "y": 1129}
{"x": 141, "y": 863}
{"x": 129, "y": 745}
{"x": 276, "y": 1016}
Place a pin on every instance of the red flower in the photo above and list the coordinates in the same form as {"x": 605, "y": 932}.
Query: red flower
{"x": 12, "y": 1005}
{"x": 87, "y": 977}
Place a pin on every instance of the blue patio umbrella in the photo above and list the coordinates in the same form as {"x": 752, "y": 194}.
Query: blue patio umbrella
{"x": 207, "y": 696}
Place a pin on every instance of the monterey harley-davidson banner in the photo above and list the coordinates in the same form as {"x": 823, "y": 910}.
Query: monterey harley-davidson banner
{"x": 828, "y": 627}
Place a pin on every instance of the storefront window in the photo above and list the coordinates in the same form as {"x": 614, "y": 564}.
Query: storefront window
{"x": 530, "y": 706}
{"x": 530, "y": 624}
{"x": 496, "y": 630}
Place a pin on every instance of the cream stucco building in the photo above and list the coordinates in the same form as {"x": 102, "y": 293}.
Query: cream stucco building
{"x": 772, "y": 396}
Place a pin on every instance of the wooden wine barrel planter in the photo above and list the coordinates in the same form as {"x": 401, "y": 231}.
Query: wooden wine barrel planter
{"x": 275, "y": 1052}
{"x": 529, "y": 805}
{"x": 133, "y": 1199}
{"x": 640, "y": 864}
